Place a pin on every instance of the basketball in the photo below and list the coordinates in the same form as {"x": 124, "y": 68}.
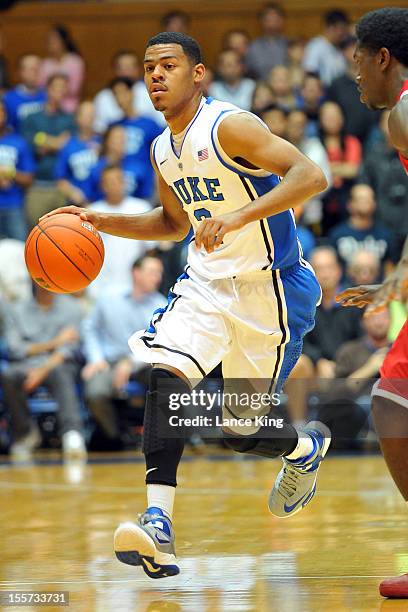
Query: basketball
{"x": 63, "y": 253}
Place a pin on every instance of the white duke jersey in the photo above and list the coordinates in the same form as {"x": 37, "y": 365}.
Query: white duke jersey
{"x": 208, "y": 184}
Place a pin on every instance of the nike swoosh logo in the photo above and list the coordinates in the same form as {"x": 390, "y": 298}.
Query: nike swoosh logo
{"x": 150, "y": 567}
{"x": 151, "y": 470}
{"x": 307, "y": 495}
{"x": 163, "y": 162}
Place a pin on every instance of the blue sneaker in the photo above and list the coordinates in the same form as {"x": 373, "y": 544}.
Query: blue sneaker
{"x": 295, "y": 485}
{"x": 149, "y": 543}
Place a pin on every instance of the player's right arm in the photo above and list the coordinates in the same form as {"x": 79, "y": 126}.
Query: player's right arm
{"x": 166, "y": 222}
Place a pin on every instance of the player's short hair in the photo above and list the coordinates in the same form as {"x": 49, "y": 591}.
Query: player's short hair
{"x": 189, "y": 45}
{"x": 128, "y": 83}
{"x": 336, "y": 16}
{"x": 386, "y": 27}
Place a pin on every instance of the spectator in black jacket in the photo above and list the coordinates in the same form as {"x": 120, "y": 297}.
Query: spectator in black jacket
{"x": 334, "y": 325}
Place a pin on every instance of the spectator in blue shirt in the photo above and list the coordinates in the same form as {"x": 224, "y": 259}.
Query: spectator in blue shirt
{"x": 16, "y": 174}
{"x": 77, "y": 158}
{"x": 140, "y": 130}
{"x": 47, "y": 131}
{"x": 113, "y": 153}
{"x": 361, "y": 232}
{"x": 27, "y": 97}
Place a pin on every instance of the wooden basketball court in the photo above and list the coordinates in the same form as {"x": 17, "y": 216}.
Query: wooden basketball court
{"x": 58, "y": 522}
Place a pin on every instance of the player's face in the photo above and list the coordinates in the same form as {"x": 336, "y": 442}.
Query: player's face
{"x": 369, "y": 79}
{"x": 170, "y": 77}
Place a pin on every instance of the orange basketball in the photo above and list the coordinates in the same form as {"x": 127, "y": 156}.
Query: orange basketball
{"x": 63, "y": 253}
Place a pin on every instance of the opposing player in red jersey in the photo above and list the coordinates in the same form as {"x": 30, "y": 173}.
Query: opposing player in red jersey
{"x": 382, "y": 58}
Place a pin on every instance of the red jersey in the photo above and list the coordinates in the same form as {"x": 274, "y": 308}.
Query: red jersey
{"x": 404, "y": 92}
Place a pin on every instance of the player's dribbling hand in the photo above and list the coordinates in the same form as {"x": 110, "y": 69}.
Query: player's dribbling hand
{"x": 211, "y": 231}
{"x": 84, "y": 213}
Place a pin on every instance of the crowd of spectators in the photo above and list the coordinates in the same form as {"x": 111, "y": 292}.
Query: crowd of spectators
{"x": 57, "y": 147}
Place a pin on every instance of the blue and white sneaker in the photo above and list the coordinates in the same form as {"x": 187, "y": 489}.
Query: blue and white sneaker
{"x": 296, "y": 482}
{"x": 149, "y": 543}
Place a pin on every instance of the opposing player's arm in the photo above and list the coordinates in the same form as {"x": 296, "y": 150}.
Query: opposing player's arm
{"x": 166, "y": 222}
{"x": 398, "y": 126}
{"x": 244, "y": 139}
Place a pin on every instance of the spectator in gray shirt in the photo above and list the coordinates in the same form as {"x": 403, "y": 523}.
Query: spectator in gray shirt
{"x": 41, "y": 336}
{"x": 105, "y": 335}
{"x": 323, "y": 54}
{"x": 270, "y": 49}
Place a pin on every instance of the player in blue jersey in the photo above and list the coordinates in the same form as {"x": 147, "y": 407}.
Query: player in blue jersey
{"x": 246, "y": 298}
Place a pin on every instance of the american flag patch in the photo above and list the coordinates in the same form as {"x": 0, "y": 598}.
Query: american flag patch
{"x": 203, "y": 155}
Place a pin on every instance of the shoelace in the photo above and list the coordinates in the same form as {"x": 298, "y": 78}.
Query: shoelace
{"x": 289, "y": 480}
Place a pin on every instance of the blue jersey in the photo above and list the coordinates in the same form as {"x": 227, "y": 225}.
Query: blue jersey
{"x": 137, "y": 182}
{"x": 15, "y": 154}
{"x": 75, "y": 162}
{"x": 140, "y": 133}
{"x": 208, "y": 184}
{"x": 21, "y": 103}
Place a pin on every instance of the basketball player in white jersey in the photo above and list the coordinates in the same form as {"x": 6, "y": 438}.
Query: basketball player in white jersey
{"x": 246, "y": 298}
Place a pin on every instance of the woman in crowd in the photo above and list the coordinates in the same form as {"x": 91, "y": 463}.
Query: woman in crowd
{"x": 63, "y": 57}
{"x": 344, "y": 152}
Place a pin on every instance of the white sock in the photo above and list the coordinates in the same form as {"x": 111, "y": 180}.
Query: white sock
{"x": 161, "y": 496}
{"x": 303, "y": 448}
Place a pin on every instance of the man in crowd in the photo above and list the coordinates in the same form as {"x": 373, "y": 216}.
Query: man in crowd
{"x": 231, "y": 85}
{"x": 323, "y": 54}
{"x": 361, "y": 231}
{"x": 77, "y": 158}
{"x": 334, "y": 325}
{"x": 140, "y": 130}
{"x": 270, "y": 49}
{"x": 105, "y": 336}
{"x": 47, "y": 131}
{"x": 359, "y": 120}
{"x": 16, "y": 175}
{"x": 42, "y": 340}
{"x": 390, "y": 185}
{"x": 27, "y": 97}
{"x": 119, "y": 252}
{"x": 125, "y": 63}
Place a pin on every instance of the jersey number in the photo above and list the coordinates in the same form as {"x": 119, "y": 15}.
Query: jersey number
{"x": 202, "y": 213}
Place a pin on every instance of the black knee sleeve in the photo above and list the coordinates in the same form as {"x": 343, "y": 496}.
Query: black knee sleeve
{"x": 163, "y": 444}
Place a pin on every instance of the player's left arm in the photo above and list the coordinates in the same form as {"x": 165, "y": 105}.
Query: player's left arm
{"x": 244, "y": 139}
{"x": 398, "y": 126}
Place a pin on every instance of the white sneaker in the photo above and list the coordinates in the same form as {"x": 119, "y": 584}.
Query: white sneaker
{"x": 23, "y": 448}
{"x": 73, "y": 444}
{"x": 295, "y": 485}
